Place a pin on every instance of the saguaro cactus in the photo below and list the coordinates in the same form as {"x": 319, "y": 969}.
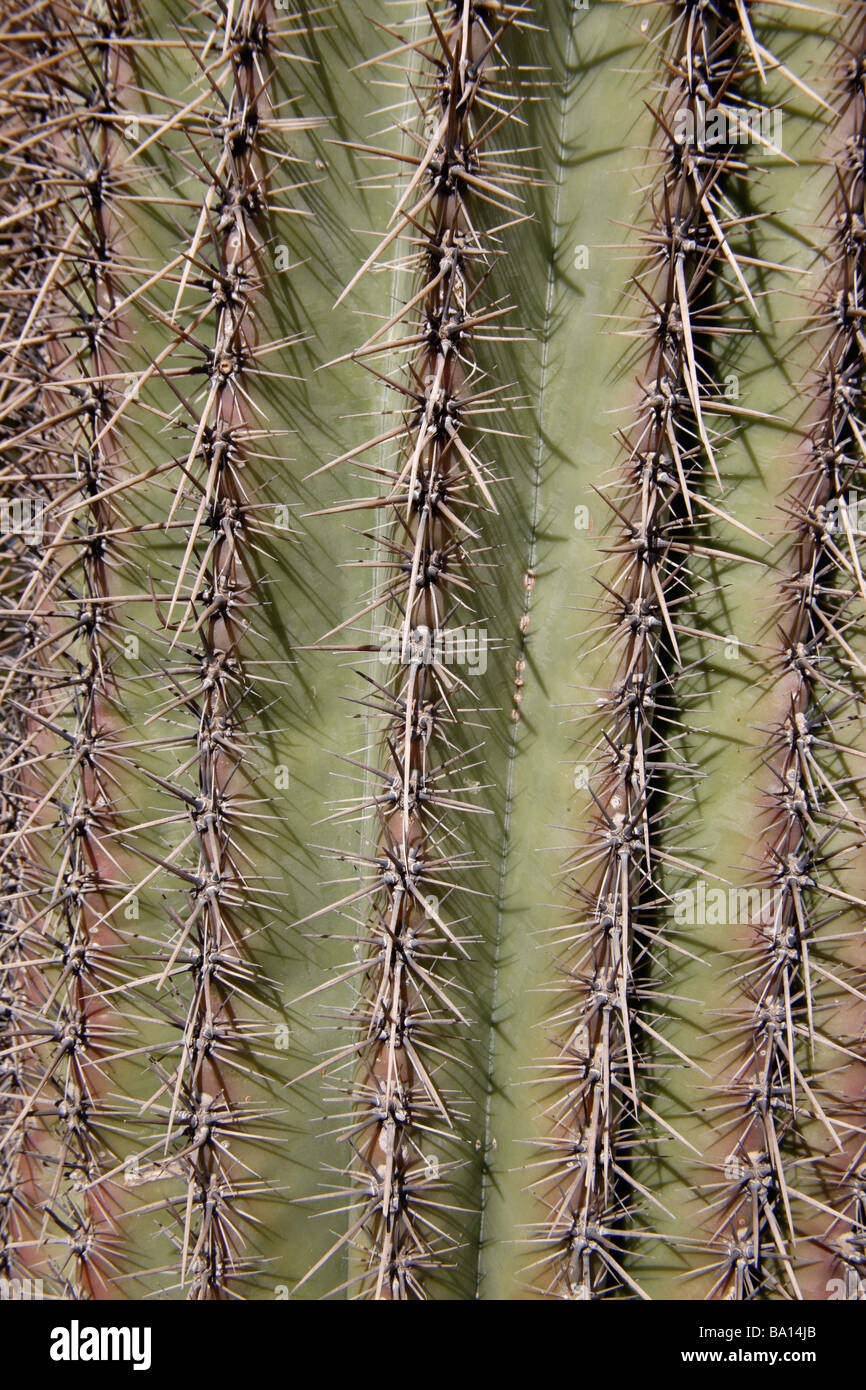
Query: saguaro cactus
{"x": 424, "y": 454}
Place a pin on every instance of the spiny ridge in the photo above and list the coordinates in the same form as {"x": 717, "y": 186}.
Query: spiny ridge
{"x": 435, "y": 479}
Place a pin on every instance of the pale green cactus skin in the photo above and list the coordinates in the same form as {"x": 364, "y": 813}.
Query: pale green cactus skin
{"x": 134, "y": 1175}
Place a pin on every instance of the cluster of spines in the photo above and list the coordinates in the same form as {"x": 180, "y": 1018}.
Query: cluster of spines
{"x": 434, "y": 490}
{"x": 206, "y": 971}
{"x": 796, "y": 1140}
{"x": 67, "y": 868}
{"x": 61, "y": 348}
{"x": 77, "y": 981}
{"x": 21, "y": 233}
{"x": 609, "y": 1003}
